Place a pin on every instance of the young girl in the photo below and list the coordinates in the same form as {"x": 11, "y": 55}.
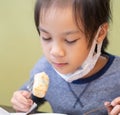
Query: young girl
{"x": 73, "y": 35}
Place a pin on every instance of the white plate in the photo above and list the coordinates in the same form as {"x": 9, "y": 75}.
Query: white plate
{"x": 37, "y": 114}
{"x": 48, "y": 114}
{"x": 17, "y": 114}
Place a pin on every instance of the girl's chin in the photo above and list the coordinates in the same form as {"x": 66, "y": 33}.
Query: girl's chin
{"x": 62, "y": 72}
{"x": 61, "y": 68}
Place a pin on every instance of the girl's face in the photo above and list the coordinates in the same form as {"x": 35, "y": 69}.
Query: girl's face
{"x": 64, "y": 45}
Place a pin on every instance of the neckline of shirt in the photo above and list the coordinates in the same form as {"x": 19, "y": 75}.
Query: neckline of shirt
{"x": 99, "y": 73}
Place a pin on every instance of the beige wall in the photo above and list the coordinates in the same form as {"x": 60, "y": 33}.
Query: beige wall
{"x": 114, "y": 31}
{"x": 20, "y": 45}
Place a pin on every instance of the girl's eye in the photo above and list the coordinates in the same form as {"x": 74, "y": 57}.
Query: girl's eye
{"x": 46, "y": 39}
{"x": 72, "y": 41}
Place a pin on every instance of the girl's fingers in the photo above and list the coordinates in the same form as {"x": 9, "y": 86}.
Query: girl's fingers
{"x": 26, "y": 94}
{"x": 21, "y": 107}
{"x": 108, "y": 106}
{"x": 21, "y": 101}
{"x": 115, "y": 110}
{"x": 116, "y": 101}
{"x": 113, "y": 107}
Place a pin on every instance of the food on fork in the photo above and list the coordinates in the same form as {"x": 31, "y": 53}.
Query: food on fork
{"x": 40, "y": 85}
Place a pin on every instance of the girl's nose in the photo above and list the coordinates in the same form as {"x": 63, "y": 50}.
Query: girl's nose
{"x": 57, "y": 50}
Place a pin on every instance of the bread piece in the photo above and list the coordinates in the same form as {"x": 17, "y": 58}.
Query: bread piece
{"x": 40, "y": 85}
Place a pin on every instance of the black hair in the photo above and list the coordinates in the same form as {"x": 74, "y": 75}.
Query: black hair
{"x": 92, "y": 13}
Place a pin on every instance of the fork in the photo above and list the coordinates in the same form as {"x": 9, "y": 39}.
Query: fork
{"x": 31, "y": 109}
{"x": 29, "y": 88}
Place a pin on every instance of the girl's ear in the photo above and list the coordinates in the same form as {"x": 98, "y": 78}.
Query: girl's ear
{"x": 103, "y": 32}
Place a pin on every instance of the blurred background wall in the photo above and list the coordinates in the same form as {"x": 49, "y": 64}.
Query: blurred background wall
{"x": 20, "y": 45}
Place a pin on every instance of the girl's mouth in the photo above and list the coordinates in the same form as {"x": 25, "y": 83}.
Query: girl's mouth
{"x": 58, "y": 65}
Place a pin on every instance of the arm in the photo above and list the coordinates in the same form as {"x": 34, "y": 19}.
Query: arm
{"x": 21, "y": 100}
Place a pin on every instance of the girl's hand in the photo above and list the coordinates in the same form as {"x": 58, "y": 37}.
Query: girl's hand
{"x": 21, "y": 100}
{"x": 113, "y": 107}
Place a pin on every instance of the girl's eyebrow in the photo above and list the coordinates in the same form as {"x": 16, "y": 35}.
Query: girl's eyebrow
{"x": 43, "y": 30}
{"x": 64, "y": 33}
{"x": 71, "y": 32}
